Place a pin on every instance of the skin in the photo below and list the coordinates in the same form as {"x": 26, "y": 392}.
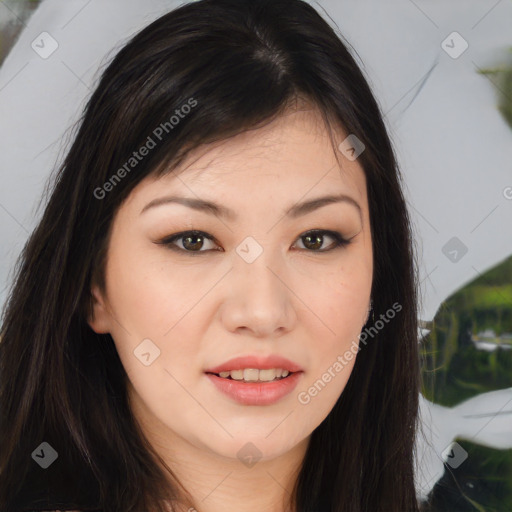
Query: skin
{"x": 203, "y": 309}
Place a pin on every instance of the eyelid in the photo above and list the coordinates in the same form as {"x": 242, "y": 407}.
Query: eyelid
{"x": 339, "y": 240}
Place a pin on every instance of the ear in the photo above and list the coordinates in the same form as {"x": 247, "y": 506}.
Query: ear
{"x": 99, "y": 321}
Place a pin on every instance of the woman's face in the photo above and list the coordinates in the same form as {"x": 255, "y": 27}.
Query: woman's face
{"x": 262, "y": 287}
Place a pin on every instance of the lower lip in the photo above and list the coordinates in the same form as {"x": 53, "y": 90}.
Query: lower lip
{"x": 256, "y": 393}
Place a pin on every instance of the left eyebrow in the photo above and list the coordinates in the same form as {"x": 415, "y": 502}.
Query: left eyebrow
{"x": 309, "y": 206}
{"x": 218, "y": 210}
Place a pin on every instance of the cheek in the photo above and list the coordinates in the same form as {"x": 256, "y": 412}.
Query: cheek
{"x": 341, "y": 299}
{"x": 344, "y": 316}
{"x": 342, "y": 309}
{"x": 148, "y": 296}
{"x": 158, "y": 310}
{"x": 154, "y": 315}
{"x": 152, "y": 301}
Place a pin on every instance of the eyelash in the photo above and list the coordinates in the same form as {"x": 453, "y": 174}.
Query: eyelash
{"x": 339, "y": 241}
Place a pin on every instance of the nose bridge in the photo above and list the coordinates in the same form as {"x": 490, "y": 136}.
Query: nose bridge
{"x": 256, "y": 265}
{"x": 259, "y": 299}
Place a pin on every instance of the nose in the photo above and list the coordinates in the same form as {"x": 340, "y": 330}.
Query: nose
{"x": 258, "y": 299}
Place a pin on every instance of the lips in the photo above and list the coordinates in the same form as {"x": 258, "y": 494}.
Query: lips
{"x": 256, "y": 393}
{"x": 258, "y": 362}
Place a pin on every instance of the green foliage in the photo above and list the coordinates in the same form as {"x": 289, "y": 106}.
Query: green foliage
{"x": 502, "y": 78}
{"x": 453, "y": 368}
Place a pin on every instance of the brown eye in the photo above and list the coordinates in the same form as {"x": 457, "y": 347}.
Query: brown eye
{"x": 192, "y": 241}
{"x": 313, "y": 240}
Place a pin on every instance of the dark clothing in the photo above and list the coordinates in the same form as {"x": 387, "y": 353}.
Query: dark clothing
{"x": 55, "y": 488}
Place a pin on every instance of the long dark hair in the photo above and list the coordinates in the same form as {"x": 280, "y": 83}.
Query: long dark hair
{"x": 238, "y": 64}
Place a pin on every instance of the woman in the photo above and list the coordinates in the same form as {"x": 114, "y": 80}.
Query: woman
{"x": 190, "y": 321}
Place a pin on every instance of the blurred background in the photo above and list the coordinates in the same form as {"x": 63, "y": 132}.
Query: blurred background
{"x": 469, "y": 352}
{"x": 467, "y": 347}
{"x": 13, "y": 14}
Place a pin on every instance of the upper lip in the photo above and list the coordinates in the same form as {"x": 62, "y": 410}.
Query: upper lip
{"x": 259, "y": 362}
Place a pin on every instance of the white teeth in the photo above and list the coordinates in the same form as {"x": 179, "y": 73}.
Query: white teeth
{"x": 267, "y": 375}
{"x": 251, "y": 374}
{"x": 255, "y": 375}
{"x": 237, "y": 374}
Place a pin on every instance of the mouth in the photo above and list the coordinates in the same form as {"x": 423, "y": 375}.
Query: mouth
{"x": 251, "y": 386}
{"x": 255, "y": 375}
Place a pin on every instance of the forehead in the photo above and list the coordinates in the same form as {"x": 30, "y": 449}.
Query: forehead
{"x": 292, "y": 156}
